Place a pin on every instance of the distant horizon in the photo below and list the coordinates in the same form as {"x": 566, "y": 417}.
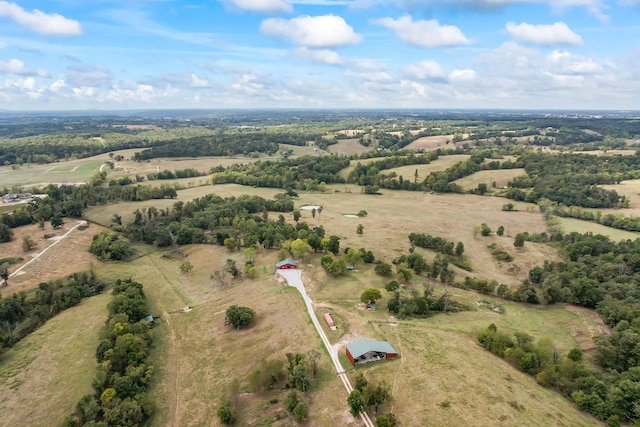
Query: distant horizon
{"x": 547, "y": 55}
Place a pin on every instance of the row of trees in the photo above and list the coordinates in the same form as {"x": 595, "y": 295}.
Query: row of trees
{"x": 123, "y": 374}
{"x": 22, "y": 312}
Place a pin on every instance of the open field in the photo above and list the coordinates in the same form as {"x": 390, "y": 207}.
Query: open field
{"x": 500, "y": 176}
{"x": 68, "y": 256}
{"x": 570, "y": 225}
{"x": 102, "y": 214}
{"x": 44, "y": 375}
{"x": 433, "y": 142}
{"x": 442, "y": 163}
{"x": 68, "y": 172}
{"x": 631, "y": 190}
{"x": 348, "y": 147}
{"x": 199, "y": 356}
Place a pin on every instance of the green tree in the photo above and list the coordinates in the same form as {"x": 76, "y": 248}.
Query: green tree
{"x": 226, "y": 414}
{"x": 369, "y": 296}
{"x": 6, "y": 233}
{"x": 4, "y": 275}
{"x": 356, "y": 404}
{"x": 519, "y": 240}
{"x": 485, "y": 230}
{"x": 383, "y": 268}
{"x": 300, "y": 412}
{"x": 301, "y": 249}
{"x": 239, "y": 317}
{"x": 27, "y": 243}
{"x": 500, "y": 231}
{"x": 231, "y": 243}
{"x": 56, "y": 221}
{"x": 186, "y": 267}
{"x": 296, "y": 215}
{"x": 388, "y": 420}
{"x": 360, "y": 229}
{"x": 353, "y": 257}
{"x": 460, "y": 249}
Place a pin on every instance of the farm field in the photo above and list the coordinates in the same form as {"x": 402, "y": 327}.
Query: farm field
{"x": 570, "y": 225}
{"x": 194, "y": 362}
{"x": 69, "y": 255}
{"x": 630, "y": 189}
{"x": 69, "y": 172}
{"x": 440, "y": 164}
{"x": 501, "y": 177}
{"x": 347, "y": 147}
{"x": 44, "y": 375}
{"x": 433, "y": 142}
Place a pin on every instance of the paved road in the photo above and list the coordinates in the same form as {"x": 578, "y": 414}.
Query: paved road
{"x": 294, "y": 278}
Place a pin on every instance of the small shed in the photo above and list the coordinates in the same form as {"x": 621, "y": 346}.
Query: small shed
{"x": 330, "y": 322}
{"x": 286, "y": 264}
{"x": 368, "y": 350}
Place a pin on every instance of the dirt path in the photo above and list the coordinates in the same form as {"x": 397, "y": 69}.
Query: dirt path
{"x": 35, "y": 258}
{"x": 294, "y": 278}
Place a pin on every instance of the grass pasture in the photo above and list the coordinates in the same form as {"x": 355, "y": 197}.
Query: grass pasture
{"x": 438, "y": 165}
{"x": 631, "y": 190}
{"x": 570, "y": 225}
{"x": 432, "y": 142}
{"x": 44, "y": 375}
{"x": 347, "y": 147}
{"x": 500, "y": 176}
{"x": 69, "y": 172}
{"x": 68, "y": 256}
{"x": 199, "y": 356}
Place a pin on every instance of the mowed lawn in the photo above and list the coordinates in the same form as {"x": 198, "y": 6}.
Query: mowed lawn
{"x": 44, "y": 375}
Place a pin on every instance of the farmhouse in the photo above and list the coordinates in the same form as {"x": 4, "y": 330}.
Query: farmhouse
{"x": 11, "y": 197}
{"x": 287, "y": 264}
{"x": 366, "y": 350}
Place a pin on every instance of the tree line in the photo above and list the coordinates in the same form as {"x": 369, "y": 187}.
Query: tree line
{"x": 22, "y": 312}
{"x": 123, "y": 374}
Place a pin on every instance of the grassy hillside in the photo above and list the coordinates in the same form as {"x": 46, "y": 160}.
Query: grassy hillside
{"x": 43, "y": 376}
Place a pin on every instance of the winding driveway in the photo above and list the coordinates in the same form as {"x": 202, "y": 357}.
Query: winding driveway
{"x": 294, "y": 278}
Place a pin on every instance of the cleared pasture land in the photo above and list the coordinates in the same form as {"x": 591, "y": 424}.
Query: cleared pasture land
{"x": 68, "y": 256}
{"x": 44, "y": 375}
{"x": 455, "y": 217}
{"x": 501, "y": 177}
{"x": 570, "y": 225}
{"x": 347, "y": 147}
{"x": 438, "y": 165}
{"x": 102, "y": 214}
{"x": 433, "y": 142}
{"x": 69, "y": 172}
{"x": 631, "y": 190}
{"x": 199, "y": 357}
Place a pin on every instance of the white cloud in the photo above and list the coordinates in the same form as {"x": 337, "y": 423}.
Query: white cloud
{"x": 548, "y": 35}
{"x": 568, "y": 64}
{"x": 424, "y": 33}
{"x": 325, "y": 56}
{"x": 312, "y": 31}
{"x": 40, "y": 22}
{"x": 198, "y": 82}
{"x": 464, "y": 75}
{"x": 57, "y": 86}
{"x": 17, "y": 67}
{"x": 266, "y": 6}
{"x": 425, "y": 70}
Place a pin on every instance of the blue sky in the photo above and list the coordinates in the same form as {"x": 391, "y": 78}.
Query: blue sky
{"x": 140, "y": 54}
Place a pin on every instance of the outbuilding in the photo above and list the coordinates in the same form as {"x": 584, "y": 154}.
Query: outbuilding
{"x": 367, "y": 350}
{"x": 286, "y": 264}
{"x": 330, "y": 322}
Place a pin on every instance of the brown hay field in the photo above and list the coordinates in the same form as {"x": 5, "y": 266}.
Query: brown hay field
{"x": 500, "y": 176}
{"x": 433, "y": 142}
{"x": 631, "y": 190}
{"x": 395, "y": 214}
{"x": 440, "y": 164}
{"x": 66, "y": 257}
{"x": 300, "y": 151}
{"x": 347, "y": 147}
{"x": 44, "y": 375}
{"x": 609, "y": 152}
{"x": 570, "y": 225}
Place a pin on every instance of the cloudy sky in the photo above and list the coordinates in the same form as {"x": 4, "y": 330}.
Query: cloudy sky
{"x": 124, "y": 54}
